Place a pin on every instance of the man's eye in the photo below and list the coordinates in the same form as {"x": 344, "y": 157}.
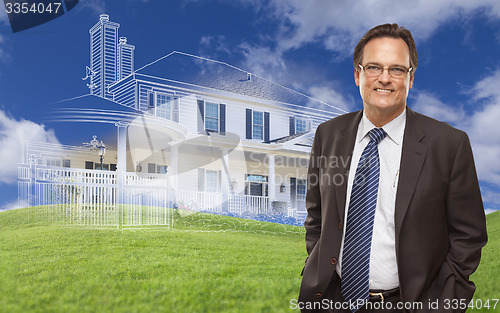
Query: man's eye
{"x": 398, "y": 70}
{"x": 373, "y": 68}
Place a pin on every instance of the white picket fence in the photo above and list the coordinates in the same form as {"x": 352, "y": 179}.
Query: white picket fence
{"x": 103, "y": 198}
{"x": 97, "y": 198}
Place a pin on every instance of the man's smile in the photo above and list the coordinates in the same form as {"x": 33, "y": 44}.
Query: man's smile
{"x": 384, "y": 90}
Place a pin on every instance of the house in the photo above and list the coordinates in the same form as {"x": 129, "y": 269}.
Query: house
{"x": 226, "y": 140}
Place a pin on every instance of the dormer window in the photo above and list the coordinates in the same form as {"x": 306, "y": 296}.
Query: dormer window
{"x": 160, "y": 104}
{"x": 299, "y": 125}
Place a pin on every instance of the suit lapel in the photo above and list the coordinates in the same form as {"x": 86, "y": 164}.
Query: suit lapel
{"x": 343, "y": 149}
{"x": 412, "y": 159}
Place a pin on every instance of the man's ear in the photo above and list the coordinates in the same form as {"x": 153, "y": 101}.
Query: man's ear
{"x": 356, "y": 77}
{"x": 411, "y": 81}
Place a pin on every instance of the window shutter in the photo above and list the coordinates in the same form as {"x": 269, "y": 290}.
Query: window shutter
{"x": 201, "y": 116}
{"x": 292, "y": 125}
{"x": 249, "y": 124}
{"x": 222, "y": 119}
{"x": 175, "y": 115}
{"x": 266, "y": 126}
{"x": 201, "y": 179}
{"x": 151, "y": 100}
{"x": 309, "y": 124}
{"x": 293, "y": 192}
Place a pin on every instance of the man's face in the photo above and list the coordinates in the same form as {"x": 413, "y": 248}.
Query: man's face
{"x": 384, "y": 94}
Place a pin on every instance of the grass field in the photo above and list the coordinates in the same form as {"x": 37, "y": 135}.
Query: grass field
{"x": 208, "y": 263}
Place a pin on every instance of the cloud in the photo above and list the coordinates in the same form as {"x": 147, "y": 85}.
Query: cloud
{"x": 16, "y": 204}
{"x": 327, "y": 94}
{"x": 428, "y": 104}
{"x": 491, "y": 197}
{"x": 338, "y": 25}
{"x": 263, "y": 61}
{"x": 4, "y": 19}
{"x": 484, "y": 130}
{"x": 480, "y": 121}
{"x": 214, "y": 43}
{"x": 13, "y": 134}
{"x": 489, "y": 211}
{"x": 98, "y": 6}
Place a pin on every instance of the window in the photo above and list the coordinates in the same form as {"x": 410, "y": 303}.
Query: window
{"x": 105, "y": 167}
{"x": 164, "y": 106}
{"x": 256, "y": 185}
{"x": 52, "y": 162}
{"x": 161, "y": 169}
{"x": 66, "y": 163}
{"x": 89, "y": 165}
{"x": 300, "y": 125}
{"x": 211, "y": 116}
{"x": 258, "y": 125}
{"x": 301, "y": 189}
{"x": 154, "y": 168}
{"x": 160, "y": 104}
{"x": 211, "y": 181}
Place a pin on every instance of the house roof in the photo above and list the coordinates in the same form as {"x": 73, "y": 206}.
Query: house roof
{"x": 191, "y": 69}
{"x": 285, "y": 139}
{"x": 91, "y": 108}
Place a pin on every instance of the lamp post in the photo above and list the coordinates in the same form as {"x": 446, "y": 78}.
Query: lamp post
{"x": 102, "y": 151}
{"x": 94, "y": 145}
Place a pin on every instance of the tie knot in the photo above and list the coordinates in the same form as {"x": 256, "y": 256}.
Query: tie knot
{"x": 377, "y": 134}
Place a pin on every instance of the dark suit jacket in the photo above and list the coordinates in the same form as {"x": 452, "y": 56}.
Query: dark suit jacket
{"x": 439, "y": 216}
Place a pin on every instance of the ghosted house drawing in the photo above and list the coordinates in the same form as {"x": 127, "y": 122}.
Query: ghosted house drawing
{"x": 205, "y": 135}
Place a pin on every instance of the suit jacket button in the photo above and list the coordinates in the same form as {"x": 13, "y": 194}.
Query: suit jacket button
{"x": 333, "y": 261}
{"x": 318, "y": 295}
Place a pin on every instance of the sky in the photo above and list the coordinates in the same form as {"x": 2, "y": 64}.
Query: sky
{"x": 304, "y": 45}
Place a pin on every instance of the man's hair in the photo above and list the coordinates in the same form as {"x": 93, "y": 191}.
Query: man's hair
{"x": 391, "y": 31}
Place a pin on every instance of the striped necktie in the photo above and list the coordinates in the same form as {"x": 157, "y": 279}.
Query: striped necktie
{"x": 359, "y": 229}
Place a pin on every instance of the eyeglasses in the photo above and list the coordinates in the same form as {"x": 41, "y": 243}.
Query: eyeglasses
{"x": 373, "y": 70}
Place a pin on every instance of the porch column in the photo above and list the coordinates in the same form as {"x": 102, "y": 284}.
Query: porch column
{"x": 173, "y": 169}
{"x": 271, "y": 181}
{"x": 226, "y": 187}
{"x": 121, "y": 166}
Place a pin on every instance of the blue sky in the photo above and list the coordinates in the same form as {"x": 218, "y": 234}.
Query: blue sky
{"x": 305, "y": 45}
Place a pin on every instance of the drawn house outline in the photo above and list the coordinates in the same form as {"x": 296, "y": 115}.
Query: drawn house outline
{"x": 227, "y": 138}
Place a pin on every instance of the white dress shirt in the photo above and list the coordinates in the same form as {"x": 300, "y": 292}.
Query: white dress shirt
{"x": 383, "y": 265}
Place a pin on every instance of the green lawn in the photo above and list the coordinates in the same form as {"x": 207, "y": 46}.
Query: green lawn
{"x": 208, "y": 263}
{"x": 487, "y": 276}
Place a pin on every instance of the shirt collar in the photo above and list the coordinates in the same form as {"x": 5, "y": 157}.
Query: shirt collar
{"x": 394, "y": 129}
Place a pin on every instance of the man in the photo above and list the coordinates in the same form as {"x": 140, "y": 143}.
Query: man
{"x": 395, "y": 215}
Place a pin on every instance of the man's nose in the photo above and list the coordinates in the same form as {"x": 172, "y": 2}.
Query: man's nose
{"x": 385, "y": 77}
